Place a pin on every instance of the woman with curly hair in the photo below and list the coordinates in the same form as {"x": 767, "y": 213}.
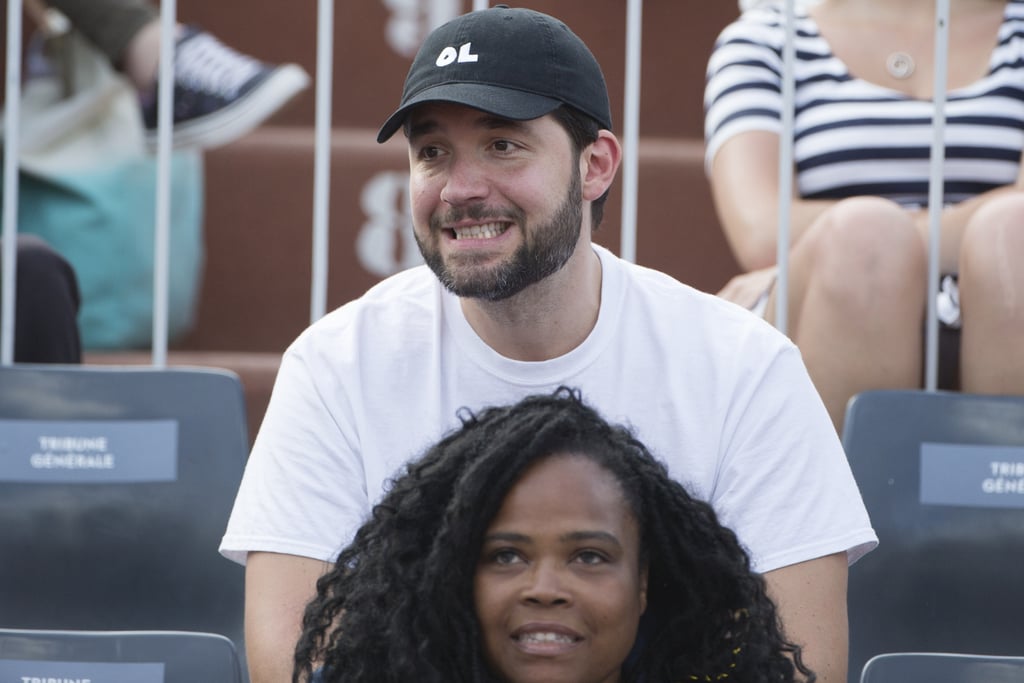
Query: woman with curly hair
{"x": 538, "y": 542}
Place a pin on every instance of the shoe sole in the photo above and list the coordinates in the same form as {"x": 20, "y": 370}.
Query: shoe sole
{"x": 240, "y": 117}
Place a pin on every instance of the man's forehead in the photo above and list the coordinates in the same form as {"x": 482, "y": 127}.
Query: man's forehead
{"x": 434, "y": 116}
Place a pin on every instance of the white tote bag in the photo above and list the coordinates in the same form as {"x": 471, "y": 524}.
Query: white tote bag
{"x": 88, "y": 187}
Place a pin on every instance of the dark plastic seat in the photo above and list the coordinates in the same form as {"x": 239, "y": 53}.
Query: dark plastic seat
{"x": 942, "y": 476}
{"x": 115, "y": 489}
{"x": 118, "y": 656}
{"x": 942, "y": 667}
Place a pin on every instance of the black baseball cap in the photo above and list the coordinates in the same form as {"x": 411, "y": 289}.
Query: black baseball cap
{"x": 515, "y": 63}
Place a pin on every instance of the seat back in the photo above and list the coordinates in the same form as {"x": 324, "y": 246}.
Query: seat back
{"x": 942, "y": 667}
{"x": 117, "y": 656}
{"x": 942, "y": 476}
{"x": 115, "y": 488}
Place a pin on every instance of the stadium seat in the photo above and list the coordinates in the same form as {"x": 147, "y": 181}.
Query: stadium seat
{"x": 942, "y": 667}
{"x": 115, "y": 488}
{"x": 28, "y": 656}
{"x": 942, "y": 476}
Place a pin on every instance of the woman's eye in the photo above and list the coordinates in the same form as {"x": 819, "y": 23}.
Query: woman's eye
{"x": 505, "y": 557}
{"x": 590, "y": 557}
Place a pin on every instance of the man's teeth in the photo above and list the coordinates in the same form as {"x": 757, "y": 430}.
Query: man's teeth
{"x": 545, "y": 638}
{"x": 477, "y": 232}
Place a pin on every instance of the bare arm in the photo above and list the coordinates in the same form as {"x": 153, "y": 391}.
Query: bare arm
{"x": 811, "y": 599}
{"x": 745, "y": 189}
{"x": 277, "y": 588}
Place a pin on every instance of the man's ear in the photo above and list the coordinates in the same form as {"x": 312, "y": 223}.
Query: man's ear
{"x": 599, "y": 163}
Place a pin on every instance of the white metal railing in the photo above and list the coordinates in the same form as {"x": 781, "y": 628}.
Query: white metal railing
{"x": 785, "y": 170}
{"x": 631, "y": 130}
{"x": 12, "y": 133}
{"x": 935, "y": 183}
{"x": 162, "y": 222}
{"x": 936, "y": 191}
{"x": 322, "y": 159}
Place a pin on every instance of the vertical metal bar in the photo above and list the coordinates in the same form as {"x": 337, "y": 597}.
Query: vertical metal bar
{"x": 480, "y": 4}
{"x": 322, "y": 157}
{"x": 786, "y": 169}
{"x": 12, "y": 135}
{"x": 161, "y": 240}
{"x": 936, "y": 192}
{"x": 631, "y": 129}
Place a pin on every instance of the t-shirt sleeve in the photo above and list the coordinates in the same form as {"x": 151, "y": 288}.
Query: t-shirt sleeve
{"x": 303, "y": 491}
{"x": 785, "y": 485}
{"x": 743, "y": 90}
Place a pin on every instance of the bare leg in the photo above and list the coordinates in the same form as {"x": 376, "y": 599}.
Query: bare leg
{"x": 992, "y": 298}
{"x": 109, "y": 24}
{"x": 141, "y": 57}
{"x": 856, "y": 301}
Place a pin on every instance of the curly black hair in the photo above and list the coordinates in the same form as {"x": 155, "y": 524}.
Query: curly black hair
{"x": 398, "y": 604}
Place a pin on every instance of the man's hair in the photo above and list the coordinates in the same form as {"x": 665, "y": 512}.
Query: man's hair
{"x": 398, "y": 605}
{"x": 582, "y": 130}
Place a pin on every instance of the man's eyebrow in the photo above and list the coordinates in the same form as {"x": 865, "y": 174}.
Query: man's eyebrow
{"x": 421, "y": 128}
{"x": 495, "y": 122}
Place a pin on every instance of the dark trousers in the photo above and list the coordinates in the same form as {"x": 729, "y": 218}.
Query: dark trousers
{"x": 46, "y": 306}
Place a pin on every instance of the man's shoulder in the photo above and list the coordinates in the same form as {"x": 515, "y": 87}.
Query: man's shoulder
{"x": 663, "y": 307}
{"x": 395, "y": 302}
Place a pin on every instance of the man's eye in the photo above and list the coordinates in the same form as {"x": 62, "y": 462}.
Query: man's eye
{"x": 504, "y": 146}
{"x": 429, "y": 153}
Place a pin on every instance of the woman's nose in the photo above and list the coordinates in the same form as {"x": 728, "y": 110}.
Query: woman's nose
{"x": 546, "y": 585}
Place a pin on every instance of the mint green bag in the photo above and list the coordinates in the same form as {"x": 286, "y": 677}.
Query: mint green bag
{"x": 88, "y": 187}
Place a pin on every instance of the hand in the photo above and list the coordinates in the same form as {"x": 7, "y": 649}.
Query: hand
{"x": 745, "y": 289}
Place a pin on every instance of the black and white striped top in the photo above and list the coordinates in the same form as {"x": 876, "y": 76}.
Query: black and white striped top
{"x": 853, "y": 137}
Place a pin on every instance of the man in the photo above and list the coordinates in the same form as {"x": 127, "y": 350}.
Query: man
{"x": 511, "y": 156}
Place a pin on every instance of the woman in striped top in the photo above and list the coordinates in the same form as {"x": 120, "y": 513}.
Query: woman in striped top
{"x": 859, "y": 220}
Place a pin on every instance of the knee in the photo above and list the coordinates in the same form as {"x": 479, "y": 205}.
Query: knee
{"x": 865, "y": 250}
{"x": 993, "y": 237}
{"x": 42, "y": 268}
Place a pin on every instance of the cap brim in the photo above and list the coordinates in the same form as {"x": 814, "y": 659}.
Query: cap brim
{"x": 508, "y": 103}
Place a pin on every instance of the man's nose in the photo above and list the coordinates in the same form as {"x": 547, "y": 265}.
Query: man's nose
{"x": 465, "y": 181}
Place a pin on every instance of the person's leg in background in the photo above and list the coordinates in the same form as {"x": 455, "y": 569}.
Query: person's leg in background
{"x": 992, "y": 298}
{"x": 46, "y": 306}
{"x": 857, "y": 300}
{"x": 219, "y": 94}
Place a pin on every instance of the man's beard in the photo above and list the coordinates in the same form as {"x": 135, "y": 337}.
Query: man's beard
{"x": 543, "y": 252}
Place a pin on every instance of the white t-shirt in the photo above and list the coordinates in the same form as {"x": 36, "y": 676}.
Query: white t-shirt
{"x": 717, "y": 393}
